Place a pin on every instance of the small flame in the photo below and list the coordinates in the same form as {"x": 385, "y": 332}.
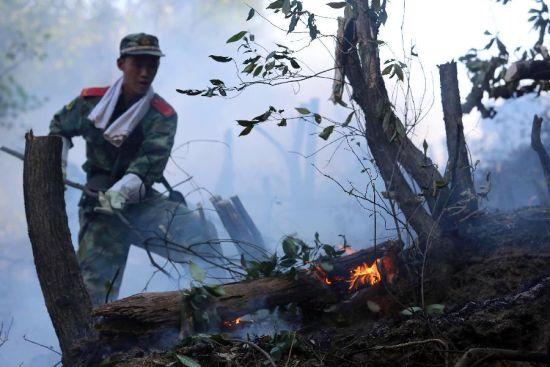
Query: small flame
{"x": 328, "y": 281}
{"x": 364, "y": 274}
{"x": 232, "y": 323}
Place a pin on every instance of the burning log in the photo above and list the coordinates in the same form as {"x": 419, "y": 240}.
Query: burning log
{"x": 157, "y": 317}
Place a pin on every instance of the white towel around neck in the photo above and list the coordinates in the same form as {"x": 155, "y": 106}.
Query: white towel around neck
{"x": 119, "y": 130}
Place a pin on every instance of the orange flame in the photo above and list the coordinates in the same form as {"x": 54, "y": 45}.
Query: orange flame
{"x": 232, "y": 323}
{"x": 364, "y": 274}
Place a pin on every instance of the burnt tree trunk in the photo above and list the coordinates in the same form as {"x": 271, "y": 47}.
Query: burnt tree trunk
{"x": 537, "y": 146}
{"x": 458, "y": 175}
{"x": 64, "y": 292}
{"x": 534, "y": 69}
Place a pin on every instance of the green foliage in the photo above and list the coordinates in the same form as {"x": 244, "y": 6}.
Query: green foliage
{"x": 186, "y": 361}
{"x": 197, "y": 273}
{"x": 296, "y": 255}
{"x": 394, "y": 68}
{"x": 433, "y": 309}
{"x": 487, "y": 72}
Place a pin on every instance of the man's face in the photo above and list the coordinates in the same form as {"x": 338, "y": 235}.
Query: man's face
{"x": 139, "y": 72}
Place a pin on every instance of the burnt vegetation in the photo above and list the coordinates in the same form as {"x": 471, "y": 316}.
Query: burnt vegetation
{"x": 458, "y": 285}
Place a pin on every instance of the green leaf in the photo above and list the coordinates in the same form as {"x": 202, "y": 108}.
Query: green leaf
{"x": 258, "y": 70}
{"x": 286, "y": 7}
{"x": 220, "y": 58}
{"x": 249, "y": 68}
{"x": 399, "y": 72}
{"x": 263, "y": 117}
{"x": 217, "y": 82}
{"x": 501, "y": 47}
{"x": 374, "y": 307}
{"x": 303, "y": 110}
{"x": 250, "y": 14}
{"x": 348, "y": 119}
{"x": 282, "y": 123}
{"x": 294, "y": 64}
{"x": 187, "y": 362}
{"x": 387, "y": 69}
{"x": 337, "y": 4}
{"x": 409, "y": 311}
{"x": 327, "y": 266}
{"x": 190, "y": 92}
{"x": 317, "y": 118}
{"x": 293, "y": 23}
{"x": 197, "y": 273}
{"x": 216, "y": 291}
{"x": 245, "y": 123}
{"x": 435, "y": 309}
{"x": 236, "y": 37}
{"x": 325, "y": 134}
{"x": 246, "y": 130}
{"x": 276, "y": 4}
{"x": 312, "y": 27}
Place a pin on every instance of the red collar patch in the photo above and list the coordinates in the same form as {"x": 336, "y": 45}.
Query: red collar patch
{"x": 162, "y": 106}
{"x": 94, "y": 92}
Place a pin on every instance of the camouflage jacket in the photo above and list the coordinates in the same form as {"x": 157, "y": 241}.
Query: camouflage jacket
{"x": 145, "y": 152}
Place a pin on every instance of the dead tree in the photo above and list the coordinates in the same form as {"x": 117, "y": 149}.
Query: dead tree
{"x": 537, "y": 146}
{"x": 458, "y": 174}
{"x": 393, "y": 152}
{"x": 64, "y": 292}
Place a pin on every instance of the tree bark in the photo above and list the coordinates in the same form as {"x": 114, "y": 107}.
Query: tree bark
{"x": 362, "y": 67}
{"x": 64, "y": 292}
{"x": 158, "y": 316}
{"x": 537, "y": 146}
{"x": 462, "y": 200}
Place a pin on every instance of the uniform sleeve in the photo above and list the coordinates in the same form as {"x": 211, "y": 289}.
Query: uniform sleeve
{"x": 158, "y": 140}
{"x": 66, "y": 122}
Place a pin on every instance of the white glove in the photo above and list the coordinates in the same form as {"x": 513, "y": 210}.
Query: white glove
{"x": 129, "y": 189}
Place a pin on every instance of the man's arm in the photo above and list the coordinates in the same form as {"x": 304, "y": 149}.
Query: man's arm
{"x": 66, "y": 122}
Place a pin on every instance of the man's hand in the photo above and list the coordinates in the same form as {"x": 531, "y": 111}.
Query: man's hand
{"x": 110, "y": 201}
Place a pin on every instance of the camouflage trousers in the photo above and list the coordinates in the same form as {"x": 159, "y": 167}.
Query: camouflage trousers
{"x": 165, "y": 227}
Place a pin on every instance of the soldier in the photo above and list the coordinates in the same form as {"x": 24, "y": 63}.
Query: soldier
{"x": 129, "y": 132}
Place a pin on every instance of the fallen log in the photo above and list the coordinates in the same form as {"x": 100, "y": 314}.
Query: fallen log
{"x": 158, "y": 317}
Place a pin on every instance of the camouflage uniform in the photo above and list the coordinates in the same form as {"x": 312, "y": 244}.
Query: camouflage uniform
{"x": 104, "y": 240}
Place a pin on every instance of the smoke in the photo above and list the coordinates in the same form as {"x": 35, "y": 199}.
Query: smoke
{"x": 272, "y": 170}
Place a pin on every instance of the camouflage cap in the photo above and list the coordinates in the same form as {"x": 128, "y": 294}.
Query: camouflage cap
{"x": 140, "y": 44}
